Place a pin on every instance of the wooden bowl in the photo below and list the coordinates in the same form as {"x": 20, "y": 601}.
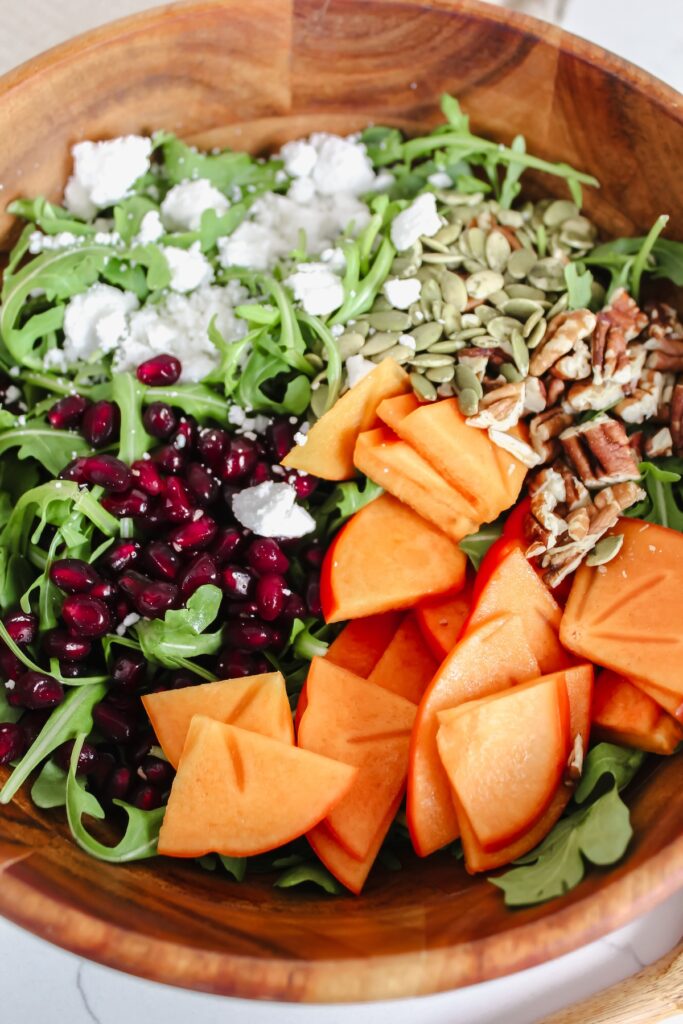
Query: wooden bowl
{"x": 254, "y": 74}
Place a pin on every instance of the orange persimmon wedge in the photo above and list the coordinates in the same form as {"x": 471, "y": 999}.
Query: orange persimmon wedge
{"x": 624, "y": 714}
{"x": 625, "y": 614}
{"x": 400, "y": 470}
{"x": 441, "y": 621}
{"x": 407, "y": 665}
{"x": 504, "y": 756}
{"x": 358, "y": 723}
{"x": 386, "y": 558}
{"x": 258, "y": 703}
{"x": 239, "y": 793}
{"x": 392, "y": 410}
{"x": 490, "y": 658}
{"x": 362, "y": 642}
{"x": 328, "y": 451}
{"x": 667, "y": 699}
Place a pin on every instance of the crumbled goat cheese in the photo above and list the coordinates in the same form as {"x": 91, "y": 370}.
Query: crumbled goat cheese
{"x": 270, "y": 510}
{"x": 408, "y": 341}
{"x": 243, "y": 422}
{"x": 126, "y": 623}
{"x": 189, "y": 268}
{"x": 12, "y": 395}
{"x": 38, "y": 242}
{"x": 402, "y": 292}
{"x": 332, "y": 163}
{"x": 420, "y": 218}
{"x": 301, "y": 438}
{"x": 151, "y": 229}
{"x": 300, "y": 158}
{"x": 94, "y": 321}
{"x": 358, "y": 367}
{"x": 104, "y": 173}
{"x": 318, "y": 289}
{"x": 184, "y": 205}
{"x": 439, "y": 179}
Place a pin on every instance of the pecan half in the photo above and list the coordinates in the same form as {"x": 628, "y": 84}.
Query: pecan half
{"x": 500, "y": 408}
{"x": 564, "y": 333}
{"x": 643, "y": 403}
{"x": 624, "y": 313}
{"x": 575, "y": 366}
{"x": 659, "y": 444}
{"x": 585, "y": 396}
{"x": 664, "y": 339}
{"x": 676, "y": 420}
{"x": 608, "y": 352}
{"x": 544, "y": 430}
{"x": 600, "y": 452}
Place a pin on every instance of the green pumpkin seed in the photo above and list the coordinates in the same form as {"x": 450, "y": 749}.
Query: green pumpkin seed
{"x": 319, "y": 398}
{"x": 416, "y": 314}
{"x": 485, "y": 314}
{"x": 559, "y": 211}
{"x": 451, "y": 318}
{"x": 511, "y": 373}
{"x": 531, "y": 322}
{"x": 476, "y": 242}
{"x": 520, "y": 353}
{"x": 388, "y": 320}
{"x": 423, "y": 388}
{"x": 361, "y": 327}
{"x": 430, "y": 290}
{"x": 448, "y": 234}
{"x": 315, "y": 360}
{"x": 520, "y": 263}
{"x": 537, "y": 334}
{"x": 433, "y": 245}
{"x": 467, "y": 380}
{"x": 498, "y": 298}
{"x": 399, "y": 353}
{"x": 497, "y": 250}
{"x": 520, "y": 308}
{"x": 548, "y": 274}
{"x": 510, "y": 218}
{"x": 350, "y": 344}
{"x": 426, "y": 334}
{"x": 381, "y": 305}
{"x": 468, "y": 402}
{"x": 401, "y": 267}
{"x": 525, "y": 291}
{"x": 442, "y": 259}
{"x": 605, "y": 550}
{"x": 380, "y": 342}
{"x": 429, "y": 360}
{"x": 501, "y": 327}
{"x": 559, "y": 306}
{"x": 447, "y": 347}
{"x": 471, "y": 332}
{"x": 578, "y": 232}
{"x": 440, "y": 374}
{"x": 470, "y": 320}
{"x": 453, "y": 289}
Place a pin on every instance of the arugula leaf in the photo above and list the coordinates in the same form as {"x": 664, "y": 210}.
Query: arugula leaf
{"x": 347, "y": 499}
{"x": 128, "y": 393}
{"x": 235, "y": 866}
{"x": 477, "y": 544}
{"x": 198, "y": 400}
{"x": 49, "y": 789}
{"x": 7, "y": 712}
{"x": 304, "y": 643}
{"x": 660, "y": 257}
{"x": 226, "y": 170}
{"x": 662, "y": 485}
{"x": 579, "y": 286}
{"x": 129, "y": 214}
{"x": 511, "y": 187}
{"x": 384, "y": 145}
{"x": 73, "y": 716}
{"x": 181, "y": 635}
{"x": 360, "y": 298}
{"x": 141, "y": 836}
{"x": 608, "y": 760}
{"x": 39, "y": 441}
{"x": 311, "y": 872}
{"x": 50, "y": 218}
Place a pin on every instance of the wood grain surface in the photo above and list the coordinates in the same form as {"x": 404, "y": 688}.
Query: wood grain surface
{"x": 252, "y": 75}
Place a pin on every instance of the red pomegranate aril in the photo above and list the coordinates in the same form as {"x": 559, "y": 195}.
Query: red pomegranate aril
{"x": 280, "y": 437}
{"x": 313, "y": 598}
{"x": 148, "y": 478}
{"x": 88, "y": 757}
{"x": 75, "y": 470}
{"x": 139, "y": 748}
{"x": 73, "y": 575}
{"x": 135, "y": 503}
{"x": 32, "y": 724}
{"x": 226, "y": 546}
{"x": 101, "y": 423}
{"x": 247, "y": 635}
{"x": 211, "y": 444}
{"x": 200, "y": 572}
{"x": 242, "y": 610}
{"x": 260, "y": 474}
{"x": 235, "y": 664}
{"x": 178, "y": 505}
{"x": 22, "y": 627}
{"x": 57, "y": 643}
{"x": 170, "y": 459}
{"x": 109, "y": 472}
{"x": 194, "y": 536}
{"x": 118, "y": 784}
{"x": 314, "y": 556}
{"x": 303, "y": 483}
{"x": 67, "y": 412}
{"x": 35, "y": 691}
{"x": 159, "y": 420}
{"x": 117, "y": 724}
{"x": 156, "y": 771}
{"x": 151, "y": 598}
{"x": 202, "y": 483}
{"x": 294, "y": 608}
{"x": 185, "y": 437}
{"x": 12, "y": 742}
{"x": 10, "y": 666}
{"x": 270, "y": 596}
{"x": 161, "y": 560}
{"x": 266, "y": 555}
{"x": 74, "y": 669}
{"x": 159, "y": 371}
{"x": 121, "y": 556}
{"x": 106, "y": 591}
{"x": 181, "y": 678}
{"x": 237, "y": 581}
{"x": 86, "y": 615}
{"x": 128, "y": 671}
{"x": 146, "y": 797}
{"x": 239, "y": 460}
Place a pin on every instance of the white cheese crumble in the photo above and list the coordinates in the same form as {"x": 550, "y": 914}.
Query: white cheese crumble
{"x": 420, "y": 218}
{"x": 358, "y": 367}
{"x": 439, "y": 179}
{"x": 185, "y": 203}
{"x": 94, "y": 321}
{"x": 244, "y": 423}
{"x": 402, "y": 292}
{"x": 126, "y": 623}
{"x": 104, "y": 173}
{"x": 151, "y": 229}
{"x": 317, "y": 288}
{"x": 332, "y": 163}
{"x": 270, "y": 510}
{"x": 189, "y": 268}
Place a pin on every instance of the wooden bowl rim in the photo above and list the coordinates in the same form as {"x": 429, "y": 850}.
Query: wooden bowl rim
{"x": 386, "y": 976}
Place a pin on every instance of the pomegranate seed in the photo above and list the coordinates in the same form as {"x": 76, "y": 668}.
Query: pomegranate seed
{"x": 242, "y": 610}
{"x": 57, "y": 643}
{"x": 280, "y": 437}
{"x": 148, "y": 477}
{"x": 159, "y": 420}
{"x": 67, "y": 412}
{"x": 118, "y": 784}
{"x": 159, "y": 371}
{"x": 266, "y": 555}
{"x": 260, "y": 474}
{"x": 151, "y": 598}
{"x": 73, "y": 576}
{"x": 294, "y": 608}
{"x": 278, "y": 639}
{"x": 236, "y": 664}
{"x": 211, "y": 444}
{"x": 35, "y": 691}
{"x": 195, "y": 535}
{"x": 133, "y": 503}
{"x": 74, "y": 669}
{"x": 314, "y": 556}
{"x": 87, "y": 759}
{"x": 180, "y": 679}
{"x": 109, "y": 472}
{"x": 128, "y": 671}
{"x": 117, "y": 724}
{"x": 185, "y": 437}
{"x": 122, "y": 608}
{"x": 106, "y": 591}
{"x": 303, "y": 483}
{"x": 75, "y": 470}
{"x": 146, "y": 797}
{"x": 22, "y": 627}
{"x": 12, "y": 742}
{"x": 237, "y": 581}
{"x": 32, "y": 723}
{"x": 161, "y": 560}
{"x": 138, "y": 750}
{"x": 101, "y": 423}
{"x": 203, "y": 485}
{"x": 313, "y": 598}
{"x": 122, "y": 555}
{"x": 226, "y": 546}
{"x": 270, "y": 596}
{"x": 170, "y": 459}
{"x": 177, "y": 506}
{"x": 247, "y": 635}
{"x": 86, "y": 615}
{"x": 200, "y": 571}
{"x": 156, "y": 771}
{"x": 239, "y": 460}
{"x": 10, "y": 666}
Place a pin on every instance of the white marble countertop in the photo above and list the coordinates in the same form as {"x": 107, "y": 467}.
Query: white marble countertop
{"x": 45, "y": 985}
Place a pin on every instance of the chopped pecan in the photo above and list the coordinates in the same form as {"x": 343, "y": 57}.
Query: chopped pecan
{"x": 576, "y": 494}
{"x": 663, "y": 321}
{"x": 523, "y": 452}
{"x": 564, "y": 333}
{"x": 555, "y": 389}
{"x": 600, "y": 452}
{"x": 585, "y": 396}
{"x": 664, "y": 408}
{"x": 500, "y": 408}
{"x": 578, "y": 523}
{"x": 659, "y": 444}
{"x": 575, "y": 366}
{"x": 476, "y": 363}
{"x": 676, "y": 419}
{"x": 623, "y": 312}
{"x": 534, "y": 395}
{"x": 664, "y": 339}
{"x": 608, "y": 352}
{"x": 643, "y": 403}
{"x": 544, "y": 430}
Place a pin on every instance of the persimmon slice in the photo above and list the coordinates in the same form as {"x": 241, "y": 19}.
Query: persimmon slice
{"x": 624, "y": 714}
{"x": 239, "y": 793}
{"x": 441, "y": 621}
{"x": 362, "y": 642}
{"x": 407, "y": 665}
